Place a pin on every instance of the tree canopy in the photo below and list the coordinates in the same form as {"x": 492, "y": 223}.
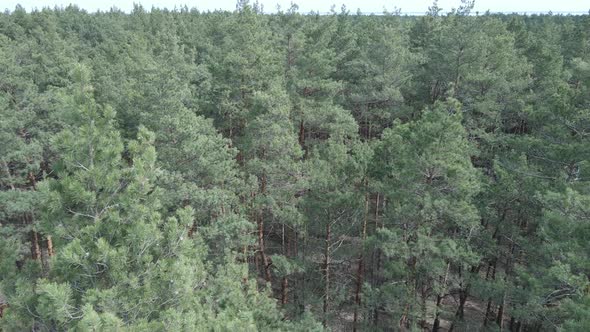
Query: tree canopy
{"x": 177, "y": 170}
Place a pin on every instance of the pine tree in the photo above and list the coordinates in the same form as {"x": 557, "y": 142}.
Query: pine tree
{"x": 120, "y": 263}
{"x": 429, "y": 182}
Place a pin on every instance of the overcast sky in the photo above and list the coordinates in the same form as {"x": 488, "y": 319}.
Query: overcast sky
{"x": 407, "y": 6}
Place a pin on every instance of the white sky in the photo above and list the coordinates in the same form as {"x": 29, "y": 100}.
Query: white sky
{"x": 407, "y": 6}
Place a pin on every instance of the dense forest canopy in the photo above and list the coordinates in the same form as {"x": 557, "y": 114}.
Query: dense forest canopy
{"x": 239, "y": 171}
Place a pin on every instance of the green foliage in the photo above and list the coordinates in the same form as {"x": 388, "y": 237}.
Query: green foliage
{"x": 176, "y": 170}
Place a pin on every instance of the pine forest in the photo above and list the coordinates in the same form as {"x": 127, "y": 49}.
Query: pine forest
{"x": 182, "y": 170}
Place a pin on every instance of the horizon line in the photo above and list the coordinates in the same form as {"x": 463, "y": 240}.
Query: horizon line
{"x": 384, "y": 12}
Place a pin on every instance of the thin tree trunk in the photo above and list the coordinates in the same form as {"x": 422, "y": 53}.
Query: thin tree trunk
{"x": 327, "y": 272}
{"x": 403, "y": 322}
{"x": 297, "y": 280}
{"x": 462, "y": 300}
{"x": 2, "y": 307}
{"x": 492, "y": 274}
{"x": 361, "y": 265}
{"x": 261, "y": 247}
{"x": 44, "y": 258}
{"x": 302, "y": 134}
{"x": 285, "y": 281}
{"x": 375, "y": 252}
{"x": 424, "y": 309}
{"x": 436, "y": 324}
{"x": 32, "y": 180}
{"x": 358, "y": 289}
{"x": 245, "y": 257}
{"x": 501, "y": 307}
{"x": 512, "y": 324}
{"x": 303, "y": 261}
{"x": 434, "y": 91}
{"x": 263, "y": 257}
{"x": 285, "y": 291}
{"x": 463, "y": 294}
{"x": 378, "y": 268}
{"x": 500, "y": 316}
{"x": 259, "y": 270}
{"x": 7, "y": 170}
{"x": 460, "y": 310}
{"x": 488, "y": 312}
{"x": 35, "y": 249}
{"x": 50, "y": 251}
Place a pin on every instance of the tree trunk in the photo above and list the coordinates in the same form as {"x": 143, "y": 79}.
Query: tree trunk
{"x": 7, "y": 170}
{"x": 403, "y": 321}
{"x": 285, "y": 291}
{"x": 377, "y": 279}
{"x": 361, "y": 266}
{"x": 261, "y": 247}
{"x": 491, "y": 272}
{"x": 462, "y": 300}
{"x": 2, "y": 307}
{"x": 423, "y": 307}
{"x": 358, "y": 289}
{"x": 303, "y": 275}
{"x": 460, "y": 313}
{"x": 285, "y": 281}
{"x": 436, "y": 324}
{"x": 500, "y": 317}
{"x": 35, "y": 249}
{"x": 488, "y": 312}
{"x": 327, "y": 272}
{"x": 460, "y": 310}
{"x": 263, "y": 257}
{"x": 302, "y": 134}
{"x": 50, "y": 251}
